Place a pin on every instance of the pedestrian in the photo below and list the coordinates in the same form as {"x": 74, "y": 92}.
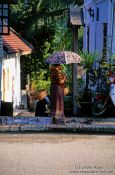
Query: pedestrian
{"x": 42, "y": 103}
{"x": 58, "y": 79}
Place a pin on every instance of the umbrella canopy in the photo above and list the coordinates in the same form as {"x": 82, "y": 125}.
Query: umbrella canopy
{"x": 63, "y": 57}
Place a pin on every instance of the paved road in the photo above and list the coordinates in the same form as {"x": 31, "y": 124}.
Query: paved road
{"x": 57, "y": 154}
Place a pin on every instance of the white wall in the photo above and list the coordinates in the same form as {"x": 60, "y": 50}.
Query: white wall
{"x": 17, "y": 82}
{"x": 91, "y": 38}
{"x": 104, "y": 10}
{"x": 99, "y": 38}
{"x": 8, "y": 72}
{"x": 11, "y": 80}
{"x": 96, "y": 27}
{"x": 87, "y": 1}
{"x": 113, "y": 32}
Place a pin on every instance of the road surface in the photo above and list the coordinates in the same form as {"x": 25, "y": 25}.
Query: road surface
{"x": 57, "y": 154}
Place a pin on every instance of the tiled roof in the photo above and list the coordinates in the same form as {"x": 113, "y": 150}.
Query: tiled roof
{"x": 14, "y": 43}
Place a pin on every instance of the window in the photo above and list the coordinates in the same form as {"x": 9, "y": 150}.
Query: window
{"x": 97, "y": 14}
{"x": 4, "y": 19}
{"x": 88, "y": 31}
{"x": 104, "y": 40}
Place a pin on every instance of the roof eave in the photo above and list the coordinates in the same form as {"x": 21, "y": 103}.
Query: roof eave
{"x": 26, "y": 52}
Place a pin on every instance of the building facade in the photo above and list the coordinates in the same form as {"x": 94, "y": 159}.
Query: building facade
{"x": 14, "y": 47}
{"x": 99, "y": 27}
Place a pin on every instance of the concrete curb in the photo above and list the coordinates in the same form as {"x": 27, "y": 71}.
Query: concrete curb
{"x": 43, "y": 124}
{"x": 58, "y": 128}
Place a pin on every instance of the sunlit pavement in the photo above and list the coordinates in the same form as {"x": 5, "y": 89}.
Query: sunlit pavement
{"x": 57, "y": 154}
{"x": 26, "y": 122}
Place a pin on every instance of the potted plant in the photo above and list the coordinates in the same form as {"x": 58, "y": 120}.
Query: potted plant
{"x": 86, "y": 97}
{"x": 88, "y": 61}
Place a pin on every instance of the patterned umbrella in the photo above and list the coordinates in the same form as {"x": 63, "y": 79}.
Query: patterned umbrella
{"x": 63, "y": 57}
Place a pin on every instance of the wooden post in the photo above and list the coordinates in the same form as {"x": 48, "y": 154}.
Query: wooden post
{"x": 74, "y": 69}
{"x": 75, "y": 21}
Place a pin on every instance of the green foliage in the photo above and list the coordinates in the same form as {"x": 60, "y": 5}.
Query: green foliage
{"x": 113, "y": 58}
{"x": 44, "y": 24}
{"x": 88, "y": 59}
{"x": 42, "y": 46}
{"x": 62, "y": 37}
{"x": 39, "y": 79}
{"x": 80, "y": 38}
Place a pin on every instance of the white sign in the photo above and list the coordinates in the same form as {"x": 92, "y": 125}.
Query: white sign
{"x": 76, "y": 16}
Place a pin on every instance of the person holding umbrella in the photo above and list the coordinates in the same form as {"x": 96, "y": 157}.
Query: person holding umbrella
{"x": 58, "y": 79}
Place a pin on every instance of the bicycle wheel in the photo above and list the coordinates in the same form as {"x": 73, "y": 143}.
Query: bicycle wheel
{"x": 99, "y": 107}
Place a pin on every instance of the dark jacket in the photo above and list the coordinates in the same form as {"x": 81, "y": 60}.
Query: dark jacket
{"x": 41, "y": 107}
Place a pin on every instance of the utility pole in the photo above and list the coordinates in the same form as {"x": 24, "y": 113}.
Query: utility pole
{"x": 74, "y": 68}
{"x": 75, "y": 21}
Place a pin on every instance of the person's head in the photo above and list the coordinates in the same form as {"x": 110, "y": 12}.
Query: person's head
{"x": 42, "y": 93}
{"x": 56, "y": 67}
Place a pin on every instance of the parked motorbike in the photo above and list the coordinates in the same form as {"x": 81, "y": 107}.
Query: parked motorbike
{"x": 104, "y": 101}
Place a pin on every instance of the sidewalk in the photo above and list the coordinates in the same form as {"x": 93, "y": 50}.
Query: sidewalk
{"x": 21, "y": 124}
